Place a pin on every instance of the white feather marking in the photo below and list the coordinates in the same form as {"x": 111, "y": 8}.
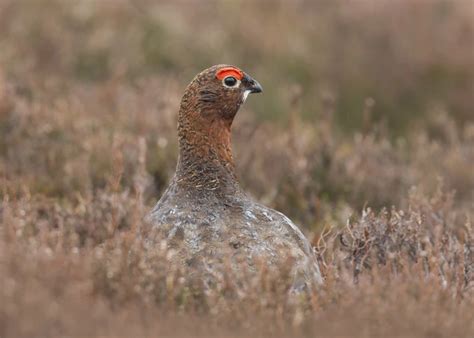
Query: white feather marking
{"x": 246, "y": 94}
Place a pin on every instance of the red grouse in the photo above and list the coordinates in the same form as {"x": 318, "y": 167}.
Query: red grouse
{"x": 204, "y": 212}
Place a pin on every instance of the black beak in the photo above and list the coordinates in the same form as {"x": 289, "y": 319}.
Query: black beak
{"x": 256, "y": 87}
{"x": 252, "y": 84}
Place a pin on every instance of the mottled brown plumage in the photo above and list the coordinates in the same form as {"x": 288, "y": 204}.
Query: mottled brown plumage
{"x": 204, "y": 213}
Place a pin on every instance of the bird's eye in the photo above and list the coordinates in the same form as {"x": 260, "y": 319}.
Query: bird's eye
{"x": 230, "y": 81}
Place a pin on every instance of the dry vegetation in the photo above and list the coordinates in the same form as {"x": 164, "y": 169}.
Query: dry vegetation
{"x": 364, "y": 136}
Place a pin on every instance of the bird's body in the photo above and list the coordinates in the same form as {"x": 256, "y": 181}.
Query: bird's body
{"x": 204, "y": 213}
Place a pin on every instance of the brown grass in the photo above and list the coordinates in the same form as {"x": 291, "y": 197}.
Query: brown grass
{"x": 364, "y": 136}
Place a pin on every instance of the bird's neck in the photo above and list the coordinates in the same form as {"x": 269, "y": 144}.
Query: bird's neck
{"x": 205, "y": 155}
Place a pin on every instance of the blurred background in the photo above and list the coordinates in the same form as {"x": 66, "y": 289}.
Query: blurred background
{"x": 364, "y": 136}
{"x": 363, "y": 99}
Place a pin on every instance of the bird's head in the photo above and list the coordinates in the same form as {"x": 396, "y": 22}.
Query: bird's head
{"x": 207, "y": 110}
{"x": 217, "y": 93}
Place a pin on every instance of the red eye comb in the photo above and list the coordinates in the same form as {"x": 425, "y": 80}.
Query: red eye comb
{"x": 229, "y": 71}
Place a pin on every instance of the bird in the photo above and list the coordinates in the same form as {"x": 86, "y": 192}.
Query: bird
{"x": 204, "y": 212}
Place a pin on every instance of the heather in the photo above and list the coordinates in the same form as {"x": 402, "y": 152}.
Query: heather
{"x": 364, "y": 136}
